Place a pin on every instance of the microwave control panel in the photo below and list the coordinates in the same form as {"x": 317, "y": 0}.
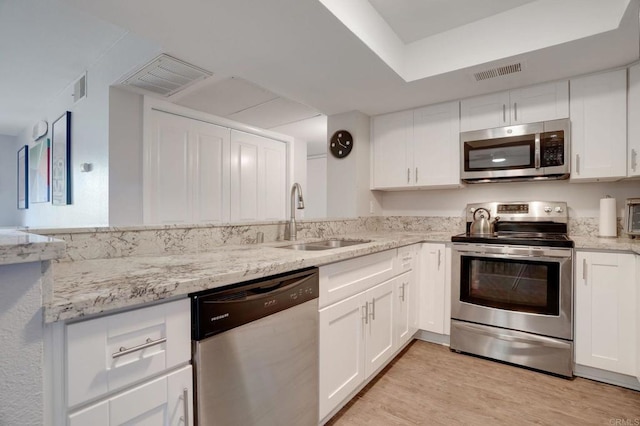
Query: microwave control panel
{"x": 552, "y": 149}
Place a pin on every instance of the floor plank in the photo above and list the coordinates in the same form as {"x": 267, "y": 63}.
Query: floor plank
{"x": 430, "y": 385}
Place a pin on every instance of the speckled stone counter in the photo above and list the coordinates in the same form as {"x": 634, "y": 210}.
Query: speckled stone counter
{"x": 615, "y": 244}
{"x": 99, "y": 285}
{"x": 22, "y": 247}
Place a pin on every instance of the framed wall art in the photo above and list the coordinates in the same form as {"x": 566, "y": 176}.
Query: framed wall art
{"x": 23, "y": 177}
{"x": 61, "y": 160}
{"x": 39, "y": 172}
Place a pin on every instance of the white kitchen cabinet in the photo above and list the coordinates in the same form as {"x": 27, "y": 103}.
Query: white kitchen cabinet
{"x": 258, "y": 178}
{"x": 436, "y": 145}
{"x": 599, "y": 127}
{"x": 392, "y": 136}
{"x": 167, "y": 400}
{"x": 606, "y": 310}
{"x": 342, "y": 367}
{"x": 157, "y": 336}
{"x": 356, "y": 340}
{"x": 406, "y": 309}
{"x": 359, "y": 333}
{"x": 186, "y": 171}
{"x": 418, "y": 148}
{"x": 542, "y": 102}
{"x": 633, "y": 112}
{"x": 433, "y": 288}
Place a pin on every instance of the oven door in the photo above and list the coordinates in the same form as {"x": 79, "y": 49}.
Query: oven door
{"x": 516, "y": 287}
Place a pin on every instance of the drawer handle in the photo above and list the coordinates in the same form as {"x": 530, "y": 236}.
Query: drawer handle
{"x": 185, "y": 404}
{"x": 124, "y": 351}
{"x": 372, "y": 314}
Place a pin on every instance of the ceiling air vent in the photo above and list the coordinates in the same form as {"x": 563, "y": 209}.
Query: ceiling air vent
{"x": 166, "y": 76}
{"x": 498, "y": 71}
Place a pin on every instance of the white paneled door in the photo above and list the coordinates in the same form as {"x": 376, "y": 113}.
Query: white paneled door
{"x": 186, "y": 171}
{"x": 258, "y": 178}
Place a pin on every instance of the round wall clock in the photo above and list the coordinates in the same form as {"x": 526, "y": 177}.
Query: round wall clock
{"x": 341, "y": 143}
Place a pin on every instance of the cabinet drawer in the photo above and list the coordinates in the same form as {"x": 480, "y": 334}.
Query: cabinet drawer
{"x": 107, "y": 353}
{"x": 343, "y": 279}
{"x": 407, "y": 258}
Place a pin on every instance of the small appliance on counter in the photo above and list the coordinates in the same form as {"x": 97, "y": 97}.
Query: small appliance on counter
{"x": 632, "y": 217}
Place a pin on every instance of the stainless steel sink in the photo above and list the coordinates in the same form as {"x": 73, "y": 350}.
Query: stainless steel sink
{"x": 325, "y": 244}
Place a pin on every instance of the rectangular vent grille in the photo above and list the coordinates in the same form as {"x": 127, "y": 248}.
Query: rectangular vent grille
{"x": 166, "y": 75}
{"x": 498, "y": 72}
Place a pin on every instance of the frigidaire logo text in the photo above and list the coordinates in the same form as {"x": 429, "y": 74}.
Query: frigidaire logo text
{"x": 219, "y": 317}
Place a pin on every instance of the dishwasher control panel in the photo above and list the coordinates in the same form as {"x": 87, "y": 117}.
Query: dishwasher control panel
{"x": 218, "y": 310}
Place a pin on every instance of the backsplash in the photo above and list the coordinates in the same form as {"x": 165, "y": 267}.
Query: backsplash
{"x": 111, "y": 242}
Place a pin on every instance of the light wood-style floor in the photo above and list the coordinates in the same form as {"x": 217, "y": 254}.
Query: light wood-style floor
{"x": 429, "y": 385}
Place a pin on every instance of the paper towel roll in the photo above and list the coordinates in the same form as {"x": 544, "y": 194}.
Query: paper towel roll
{"x": 608, "y": 220}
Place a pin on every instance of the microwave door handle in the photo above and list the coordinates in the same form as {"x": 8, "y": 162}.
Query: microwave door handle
{"x": 537, "y": 154}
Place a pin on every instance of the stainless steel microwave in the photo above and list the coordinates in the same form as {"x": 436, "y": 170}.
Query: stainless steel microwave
{"x": 632, "y": 217}
{"x": 532, "y": 151}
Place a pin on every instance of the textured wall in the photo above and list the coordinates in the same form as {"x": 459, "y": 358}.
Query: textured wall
{"x": 21, "y": 347}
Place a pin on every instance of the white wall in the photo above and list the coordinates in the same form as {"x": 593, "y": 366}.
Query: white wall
{"x": 348, "y": 181}
{"x": 583, "y": 198}
{"x": 89, "y": 139}
{"x": 125, "y": 157}
{"x": 21, "y": 334}
{"x": 315, "y": 198}
{"x": 8, "y": 183}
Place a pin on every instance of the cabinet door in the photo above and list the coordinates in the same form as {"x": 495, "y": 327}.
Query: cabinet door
{"x": 341, "y": 351}
{"x": 186, "y": 171}
{"x": 436, "y": 145}
{"x": 633, "y": 166}
{"x": 210, "y": 172}
{"x": 379, "y": 330}
{"x": 167, "y": 400}
{"x": 606, "y": 320}
{"x": 542, "y": 102}
{"x": 258, "y": 178}
{"x": 167, "y": 174}
{"x": 405, "y": 312}
{"x": 392, "y": 163}
{"x": 484, "y": 112}
{"x": 432, "y": 288}
{"x": 599, "y": 126}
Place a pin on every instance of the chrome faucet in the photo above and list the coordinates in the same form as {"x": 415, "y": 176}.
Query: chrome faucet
{"x": 300, "y": 203}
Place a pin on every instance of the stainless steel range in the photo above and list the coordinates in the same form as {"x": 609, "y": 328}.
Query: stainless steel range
{"x": 511, "y": 290}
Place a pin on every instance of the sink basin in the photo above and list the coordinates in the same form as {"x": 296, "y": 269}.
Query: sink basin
{"x": 325, "y": 244}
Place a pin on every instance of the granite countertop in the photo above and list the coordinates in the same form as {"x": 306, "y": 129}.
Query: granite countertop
{"x": 94, "y": 286}
{"x": 91, "y": 287}
{"x": 22, "y": 247}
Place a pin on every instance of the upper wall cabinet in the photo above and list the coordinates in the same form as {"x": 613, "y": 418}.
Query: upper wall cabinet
{"x": 549, "y": 101}
{"x": 418, "y": 148}
{"x": 633, "y": 112}
{"x": 186, "y": 171}
{"x": 599, "y": 127}
{"x": 197, "y": 172}
{"x": 258, "y": 178}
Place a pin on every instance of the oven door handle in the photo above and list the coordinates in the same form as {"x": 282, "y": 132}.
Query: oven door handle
{"x": 532, "y": 340}
{"x": 515, "y": 253}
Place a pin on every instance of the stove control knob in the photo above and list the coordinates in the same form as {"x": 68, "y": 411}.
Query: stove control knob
{"x": 547, "y": 209}
{"x": 558, "y": 209}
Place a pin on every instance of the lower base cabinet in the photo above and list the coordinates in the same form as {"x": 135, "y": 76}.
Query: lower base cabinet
{"x": 606, "y": 312}
{"x": 361, "y": 333}
{"x": 167, "y": 400}
{"x": 356, "y": 338}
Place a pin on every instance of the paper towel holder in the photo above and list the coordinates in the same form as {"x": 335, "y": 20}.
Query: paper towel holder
{"x": 608, "y": 221}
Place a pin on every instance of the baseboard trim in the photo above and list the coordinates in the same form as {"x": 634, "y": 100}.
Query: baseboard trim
{"x": 605, "y": 376}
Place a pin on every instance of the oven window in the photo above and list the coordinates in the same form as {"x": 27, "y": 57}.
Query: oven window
{"x": 515, "y": 285}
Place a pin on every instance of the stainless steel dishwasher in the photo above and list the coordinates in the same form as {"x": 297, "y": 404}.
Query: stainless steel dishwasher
{"x": 255, "y": 352}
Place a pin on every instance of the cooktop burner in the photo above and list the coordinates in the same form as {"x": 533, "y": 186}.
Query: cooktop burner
{"x": 532, "y": 223}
